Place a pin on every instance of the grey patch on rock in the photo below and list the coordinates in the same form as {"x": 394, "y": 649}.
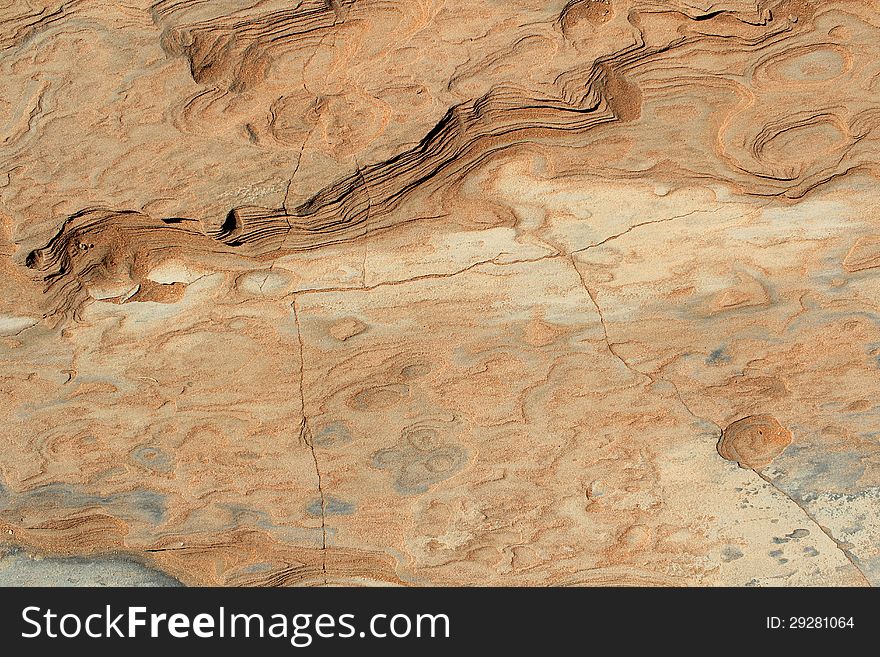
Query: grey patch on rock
{"x": 152, "y": 458}
{"x": 18, "y": 568}
{"x": 331, "y": 435}
{"x": 330, "y": 506}
{"x": 421, "y": 458}
{"x": 730, "y": 553}
{"x": 140, "y": 504}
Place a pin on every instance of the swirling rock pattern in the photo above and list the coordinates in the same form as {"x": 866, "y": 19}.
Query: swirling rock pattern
{"x": 754, "y": 441}
{"x": 381, "y": 292}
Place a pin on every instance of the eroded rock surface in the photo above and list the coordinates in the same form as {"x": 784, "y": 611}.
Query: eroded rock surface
{"x": 754, "y": 441}
{"x": 440, "y": 293}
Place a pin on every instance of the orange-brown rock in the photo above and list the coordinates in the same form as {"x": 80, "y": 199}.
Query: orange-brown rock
{"x": 440, "y": 293}
{"x": 754, "y": 441}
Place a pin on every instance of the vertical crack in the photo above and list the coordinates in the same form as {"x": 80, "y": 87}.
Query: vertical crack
{"x": 608, "y": 343}
{"x": 305, "y": 435}
{"x": 653, "y": 379}
{"x": 299, "y": 158}
{"x": 360, "y": 174}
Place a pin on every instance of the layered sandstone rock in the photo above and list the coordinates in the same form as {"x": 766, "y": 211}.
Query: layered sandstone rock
{"x": 441, "y": 293}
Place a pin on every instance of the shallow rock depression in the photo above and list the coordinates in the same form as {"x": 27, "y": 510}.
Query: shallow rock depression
{"x": 440, "y": 293}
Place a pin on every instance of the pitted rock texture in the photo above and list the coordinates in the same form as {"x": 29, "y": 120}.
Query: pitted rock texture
{"x": 379, "y": 292}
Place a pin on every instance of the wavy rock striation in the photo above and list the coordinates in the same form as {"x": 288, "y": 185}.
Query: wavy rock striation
{"x": 441, "y": 293}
